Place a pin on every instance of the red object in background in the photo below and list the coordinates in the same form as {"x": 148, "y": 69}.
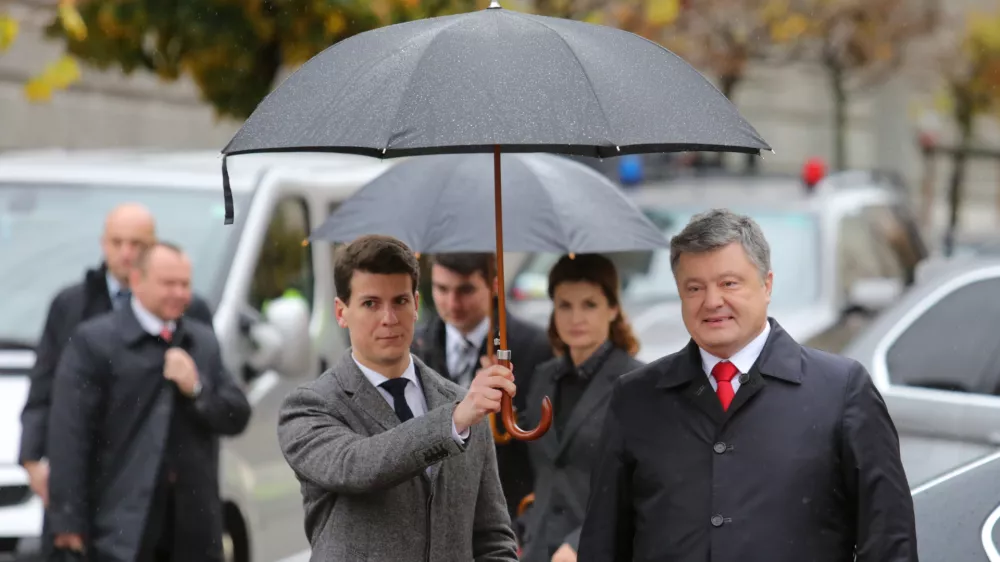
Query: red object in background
{"x": 813, "y": 171}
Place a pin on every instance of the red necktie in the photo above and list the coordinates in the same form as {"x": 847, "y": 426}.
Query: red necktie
{"x": 166, "y": 335}
{"x": 724, "y": 371}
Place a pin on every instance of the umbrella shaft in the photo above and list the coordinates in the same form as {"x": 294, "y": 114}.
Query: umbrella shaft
{"x": 498, "y": 209}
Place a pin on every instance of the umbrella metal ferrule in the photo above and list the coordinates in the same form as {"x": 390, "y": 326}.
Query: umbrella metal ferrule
{"x": 503, "y": 354}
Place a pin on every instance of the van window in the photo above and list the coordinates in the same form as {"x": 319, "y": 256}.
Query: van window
{"x": 284, "y": 266}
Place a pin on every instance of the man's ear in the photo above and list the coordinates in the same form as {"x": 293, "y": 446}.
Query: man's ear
{"x": 339, "y": 308}
{"x": 416, "y": 306}
{"x": 496, "y": 285}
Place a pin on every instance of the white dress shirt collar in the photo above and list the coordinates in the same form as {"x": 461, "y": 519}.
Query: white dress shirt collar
{"x": 743, "y": 359}
{"x": 455, "y": 339}
{"x": 149, "y": 321}
{"x": 377, "y": 378}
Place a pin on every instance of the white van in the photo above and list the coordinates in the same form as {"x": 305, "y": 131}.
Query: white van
{"x": 254, "y": 274}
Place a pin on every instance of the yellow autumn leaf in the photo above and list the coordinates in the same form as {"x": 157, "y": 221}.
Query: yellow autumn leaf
{"x": 37, "y": 90}
{"x": 335, "y": 23}
{"x": 789, "y": 28}
{"x": 62, "y": 73}
{"x": 985, "y": 32}
{"x": 662, "y": 12}
{"x": 71, "y": 20}
{"x": 8, "y": 31}
{"x": 596, "y": 17}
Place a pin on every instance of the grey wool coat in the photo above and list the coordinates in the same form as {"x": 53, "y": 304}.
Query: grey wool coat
{"x": 367, "y": 493}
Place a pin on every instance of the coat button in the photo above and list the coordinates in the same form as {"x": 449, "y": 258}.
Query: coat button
{"x": 719, "y": 447}
{"x": 716, "y": 520}
{"x": 744, "y": 378}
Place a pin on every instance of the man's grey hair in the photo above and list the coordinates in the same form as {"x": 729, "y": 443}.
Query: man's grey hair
{"x": 715, "y": 229}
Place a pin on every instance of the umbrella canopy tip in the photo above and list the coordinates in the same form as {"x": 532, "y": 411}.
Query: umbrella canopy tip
{"x": 494, "y": 4}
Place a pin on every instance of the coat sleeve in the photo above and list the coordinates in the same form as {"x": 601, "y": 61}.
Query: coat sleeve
{"x": 321, "y": 448}
{"x": 493, "y": 538}
{"x": 874, "y": 476}
{"x": 608, "y": 527}
{"x": 221, "y": 404}
{"x": 77, "y": 398}
{"x": 35, "y": 415}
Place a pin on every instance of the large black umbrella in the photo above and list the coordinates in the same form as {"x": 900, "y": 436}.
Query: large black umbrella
{"x": 490, "y": 81}
{"x": 551, "y": 204}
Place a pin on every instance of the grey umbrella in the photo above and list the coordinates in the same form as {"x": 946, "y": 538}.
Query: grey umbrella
{"x": 490, "y": 81}
{"x": 551, "y": 204}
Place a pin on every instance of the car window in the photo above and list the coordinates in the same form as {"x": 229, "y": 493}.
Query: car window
{"x": 901, "y": 247}
{"x": 284, "y": 266}
{"x": 862, "y": 253}
{"x": 954, "y": 344}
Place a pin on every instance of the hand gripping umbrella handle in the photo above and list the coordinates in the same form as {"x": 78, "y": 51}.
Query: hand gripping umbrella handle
{"x": 507, "y": 410}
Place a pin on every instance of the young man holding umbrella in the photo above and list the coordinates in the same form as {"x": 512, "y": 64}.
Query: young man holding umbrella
{"x": 396, "y": 462}
{"x": 455, "y": 344}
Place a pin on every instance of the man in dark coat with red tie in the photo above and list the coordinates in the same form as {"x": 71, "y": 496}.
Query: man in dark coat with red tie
{"x": 139, "y": 401}
{"x": 745, "y": 446}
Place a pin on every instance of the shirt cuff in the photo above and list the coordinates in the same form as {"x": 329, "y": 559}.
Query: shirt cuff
{"x": 459, "y": 437}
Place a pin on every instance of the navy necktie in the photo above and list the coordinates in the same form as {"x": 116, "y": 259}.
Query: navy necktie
{"x": 122, "y": 297}
{"x": 397, "y": 388}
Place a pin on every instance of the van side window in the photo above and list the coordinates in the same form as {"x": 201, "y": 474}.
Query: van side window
{"x": 284, "y": 266}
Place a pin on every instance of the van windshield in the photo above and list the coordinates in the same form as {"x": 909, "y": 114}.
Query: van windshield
{"x": 50, "y": 235}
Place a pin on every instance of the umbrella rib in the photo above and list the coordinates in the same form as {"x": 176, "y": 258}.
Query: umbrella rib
{"x": 590, "y": 83}
{"x": 393, "y": 134}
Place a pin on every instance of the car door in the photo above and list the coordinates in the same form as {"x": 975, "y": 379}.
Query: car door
{"x": 942, "y": 361}
{"x": 284, "y": 267}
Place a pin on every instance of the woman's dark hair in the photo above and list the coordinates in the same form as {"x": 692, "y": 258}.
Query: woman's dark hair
{"x": 382, "y": 255}
{"x": 599, "y": 270}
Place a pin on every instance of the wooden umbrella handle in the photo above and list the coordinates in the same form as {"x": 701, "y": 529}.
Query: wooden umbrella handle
{"x": 500, "y": 438}
{"x": 507, "y": 411}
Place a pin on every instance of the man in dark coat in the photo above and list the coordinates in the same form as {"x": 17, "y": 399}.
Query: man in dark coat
{"x": 745, "y": 446}
{"x": 127, "y": 229}
{"x": 139, "y": 401}
{"x": 455, "y": 344}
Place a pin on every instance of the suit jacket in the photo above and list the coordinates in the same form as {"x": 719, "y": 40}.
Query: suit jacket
{"x": 365, "y": 487}
{"x": 804, "y": 465}
{"x": 529, "y": 348}
{"x": 72, "y": 306}
{"x": 563, "y": 461}
{"x": 116, "y": 421}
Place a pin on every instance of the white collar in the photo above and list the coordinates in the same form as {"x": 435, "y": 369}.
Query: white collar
{"x": 476, "y": 337}
{"x": 113, "y": 285}
{"x": 744, "y": 358}
{"x": 149, "y": 321}
{"x": 377, "y": 378}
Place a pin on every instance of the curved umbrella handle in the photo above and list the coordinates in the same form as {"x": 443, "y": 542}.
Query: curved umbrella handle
{"x": 499, "y": 438}
{"x": 510, "y": 420}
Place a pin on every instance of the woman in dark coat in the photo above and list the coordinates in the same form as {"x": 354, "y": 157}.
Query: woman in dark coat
{"x": 594, "y": 345}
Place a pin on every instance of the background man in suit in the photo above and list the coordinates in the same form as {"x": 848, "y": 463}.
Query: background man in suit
{"x": 455, "y": 342}
{"x": 139, "y": 400}
{"x": 745, "y": 445}
{"x": 395, "y": 464}
{"x": 128, "y": 229}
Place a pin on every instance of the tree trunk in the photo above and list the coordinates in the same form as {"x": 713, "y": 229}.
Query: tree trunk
{"x": 963, "y": 116}
{"x": 839, "y": 116}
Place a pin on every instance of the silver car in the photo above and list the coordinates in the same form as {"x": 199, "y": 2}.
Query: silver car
{"x": 935, "y": 357}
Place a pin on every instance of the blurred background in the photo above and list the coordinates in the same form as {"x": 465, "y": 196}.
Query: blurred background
{"x": 909, "y": 86}
{"x": 881, "y": 201}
